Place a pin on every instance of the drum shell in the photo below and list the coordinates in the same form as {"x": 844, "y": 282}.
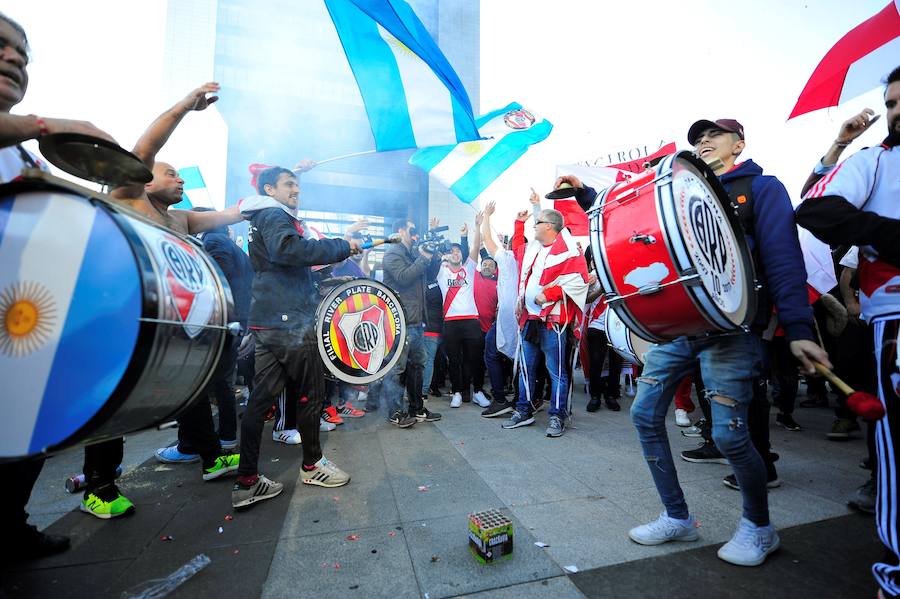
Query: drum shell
{"x": 623, "y": 340}
{"x": 634, "y": 227}
{"x": 159, "y": 367}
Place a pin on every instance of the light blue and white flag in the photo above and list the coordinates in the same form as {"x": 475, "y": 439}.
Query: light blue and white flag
{"x": 468, "y": 168}
{"x": 412, "y": 95}
{"x": 195, "y": 194}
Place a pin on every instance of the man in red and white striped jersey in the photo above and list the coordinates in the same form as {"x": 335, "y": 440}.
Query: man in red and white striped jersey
{"x": 857, "y": 204}
{"x": 463, "y": 339}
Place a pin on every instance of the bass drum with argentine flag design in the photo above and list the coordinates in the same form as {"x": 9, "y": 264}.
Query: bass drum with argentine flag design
{"x": 109, "y": 324}
{"x": 361, "y": 331}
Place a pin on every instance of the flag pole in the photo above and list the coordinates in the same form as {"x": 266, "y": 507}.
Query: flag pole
{"x": 341, "y": 157}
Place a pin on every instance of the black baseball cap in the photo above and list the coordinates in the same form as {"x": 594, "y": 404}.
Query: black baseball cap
{"x": 729, "y": 125}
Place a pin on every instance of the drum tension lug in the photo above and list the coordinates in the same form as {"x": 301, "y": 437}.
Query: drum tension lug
{"x": 646, "y": 239}
{"x": 689, "y": 277}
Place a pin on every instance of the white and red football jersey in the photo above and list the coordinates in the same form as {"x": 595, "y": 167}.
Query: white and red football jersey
{"x": 458, "y": 289}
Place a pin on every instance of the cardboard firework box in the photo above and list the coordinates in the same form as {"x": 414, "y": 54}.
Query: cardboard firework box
{"x": 490, "y": 536}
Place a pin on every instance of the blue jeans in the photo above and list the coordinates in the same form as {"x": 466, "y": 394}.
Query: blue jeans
{"x": 728, "y": 364}
{"x": 432, "y": 343}
{"x": 554, "y": 347}
{"x": 412, "y": 362}
{"x": 494, "y": 365}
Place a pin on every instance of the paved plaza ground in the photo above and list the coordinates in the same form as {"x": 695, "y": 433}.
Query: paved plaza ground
{"x": 399, "y": 529}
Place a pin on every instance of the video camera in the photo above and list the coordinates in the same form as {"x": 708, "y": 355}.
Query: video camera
{"x": 434, "y": 242}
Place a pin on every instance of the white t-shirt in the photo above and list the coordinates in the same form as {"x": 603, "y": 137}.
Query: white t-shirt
{"x": 458, "y": 291}
{"x": 534, "y": 281}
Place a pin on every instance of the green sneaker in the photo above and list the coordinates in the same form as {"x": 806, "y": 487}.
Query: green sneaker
{"x": 107, "y": 502}
{"x": 223, "y": 465}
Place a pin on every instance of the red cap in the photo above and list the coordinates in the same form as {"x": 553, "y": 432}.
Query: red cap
{"x": 729, "y": 125}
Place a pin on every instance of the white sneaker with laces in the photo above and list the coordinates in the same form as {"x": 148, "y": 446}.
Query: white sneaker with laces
{"x": 750, "y": 545}
{"x": 325, "y": 474}
{"x": 681, "y": 417}
{"x": 664, "y": 529}
{"x": 325, "y": 426}
{"x": 288, "y": 437}
{"x": 481, "y": 400}
{"x": 456, "y": 400}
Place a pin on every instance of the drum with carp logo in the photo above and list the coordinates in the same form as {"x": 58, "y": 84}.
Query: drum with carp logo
{"x": 361, "y": 331}
{"x": 671, "y": 253}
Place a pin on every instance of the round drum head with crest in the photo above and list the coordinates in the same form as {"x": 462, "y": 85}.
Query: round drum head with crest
{"x": 713, "y": 238}
{"x": 360, "y": 330}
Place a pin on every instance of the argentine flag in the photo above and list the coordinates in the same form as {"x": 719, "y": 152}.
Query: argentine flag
{"x": 412, "y": 95}
{"x": 468, "y": 168}
{"x": 195, "y": 194}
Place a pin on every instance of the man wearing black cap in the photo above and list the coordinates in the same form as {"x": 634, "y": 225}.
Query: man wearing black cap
{"x": 729, "y": 363}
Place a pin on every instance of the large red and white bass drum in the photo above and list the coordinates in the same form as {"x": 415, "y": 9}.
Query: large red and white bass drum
{"x": 671, "y": 253}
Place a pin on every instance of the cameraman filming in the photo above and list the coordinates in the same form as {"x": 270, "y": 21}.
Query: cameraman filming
{"x": 404, "y": 272}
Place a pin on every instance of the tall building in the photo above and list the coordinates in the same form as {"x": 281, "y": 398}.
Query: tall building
{"x": 288, "y": 94}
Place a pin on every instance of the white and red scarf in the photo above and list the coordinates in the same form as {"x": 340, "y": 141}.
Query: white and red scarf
{"x": 564, "y": 281}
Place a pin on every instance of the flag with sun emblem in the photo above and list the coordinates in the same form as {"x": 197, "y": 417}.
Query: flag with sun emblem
{"x": 412, "y": 95}
{"x": 468, "y": 168}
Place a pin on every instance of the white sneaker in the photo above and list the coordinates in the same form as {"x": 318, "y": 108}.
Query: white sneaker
{"x": 750, "y": 545}
{"x": 456, "y": 400}
{"x": 664, "y": 529}
{"x": 325, "y": 474}
{"x": 481, "y": 400}
{"x": 325, "y": 426}
{"x": 681, "y": 417}
{"x": 288, "y": 437}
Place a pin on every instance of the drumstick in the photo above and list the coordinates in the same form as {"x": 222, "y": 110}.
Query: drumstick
{"x": 395, "y": 238}
{"x": 863, "y": 404}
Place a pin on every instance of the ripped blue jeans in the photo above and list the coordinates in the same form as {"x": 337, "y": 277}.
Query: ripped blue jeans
{"x": 728, "y": 364}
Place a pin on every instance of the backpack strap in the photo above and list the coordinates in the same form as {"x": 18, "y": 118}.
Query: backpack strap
{"x": 741, "y": 196}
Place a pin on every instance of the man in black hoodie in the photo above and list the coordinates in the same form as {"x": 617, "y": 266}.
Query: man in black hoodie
{"x": 282, "y": 311}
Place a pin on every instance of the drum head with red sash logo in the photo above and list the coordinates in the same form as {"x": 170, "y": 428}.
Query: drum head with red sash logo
{"x": 361, "y": 331}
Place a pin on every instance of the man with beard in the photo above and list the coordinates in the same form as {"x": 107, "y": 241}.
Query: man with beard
{"x": 856, "y": 204}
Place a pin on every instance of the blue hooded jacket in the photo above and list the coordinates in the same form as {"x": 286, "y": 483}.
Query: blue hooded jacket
{"x": 776, "y": 248}
{"x": 778, "y": 261}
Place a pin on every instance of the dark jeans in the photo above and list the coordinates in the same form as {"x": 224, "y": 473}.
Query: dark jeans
{"x": 494, "y": 364}
{"x": 465, "y": 349}
{"x": 411, "y": 364}
{"x": 20, "y": 477}
{"x": 196, "y": 432}
{"x": 223, "y": 390}
{"x": 100, "y": 463}
{"x": 785, "y": 368}
{"x": 286, "y": 360}
{"x": 598, "y": 349}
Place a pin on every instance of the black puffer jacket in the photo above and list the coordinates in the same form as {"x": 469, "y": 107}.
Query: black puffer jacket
{"x": 284, "y": 295}
{"x": 404, "y": 272}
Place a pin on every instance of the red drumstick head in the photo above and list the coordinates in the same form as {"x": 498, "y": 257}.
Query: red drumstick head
{"x": 865, "y": 405}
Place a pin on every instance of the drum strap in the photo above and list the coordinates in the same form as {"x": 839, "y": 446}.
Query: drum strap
{"x": 740, "y": 193}
{"x": 26, "y": 157}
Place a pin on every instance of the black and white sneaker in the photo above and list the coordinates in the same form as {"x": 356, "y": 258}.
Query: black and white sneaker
{"x": 497, "y": 408}
{"x": 787, "y": 421}
{"x": 264, "y": 488}
{"x": 731, "y": 482}
{"x": 402, "y": 420}
{"x": 706, "y": 453}
{"x": 518, "y": 419}
{"x": 696, "y": 430}
{"x": 426, "y": 416}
